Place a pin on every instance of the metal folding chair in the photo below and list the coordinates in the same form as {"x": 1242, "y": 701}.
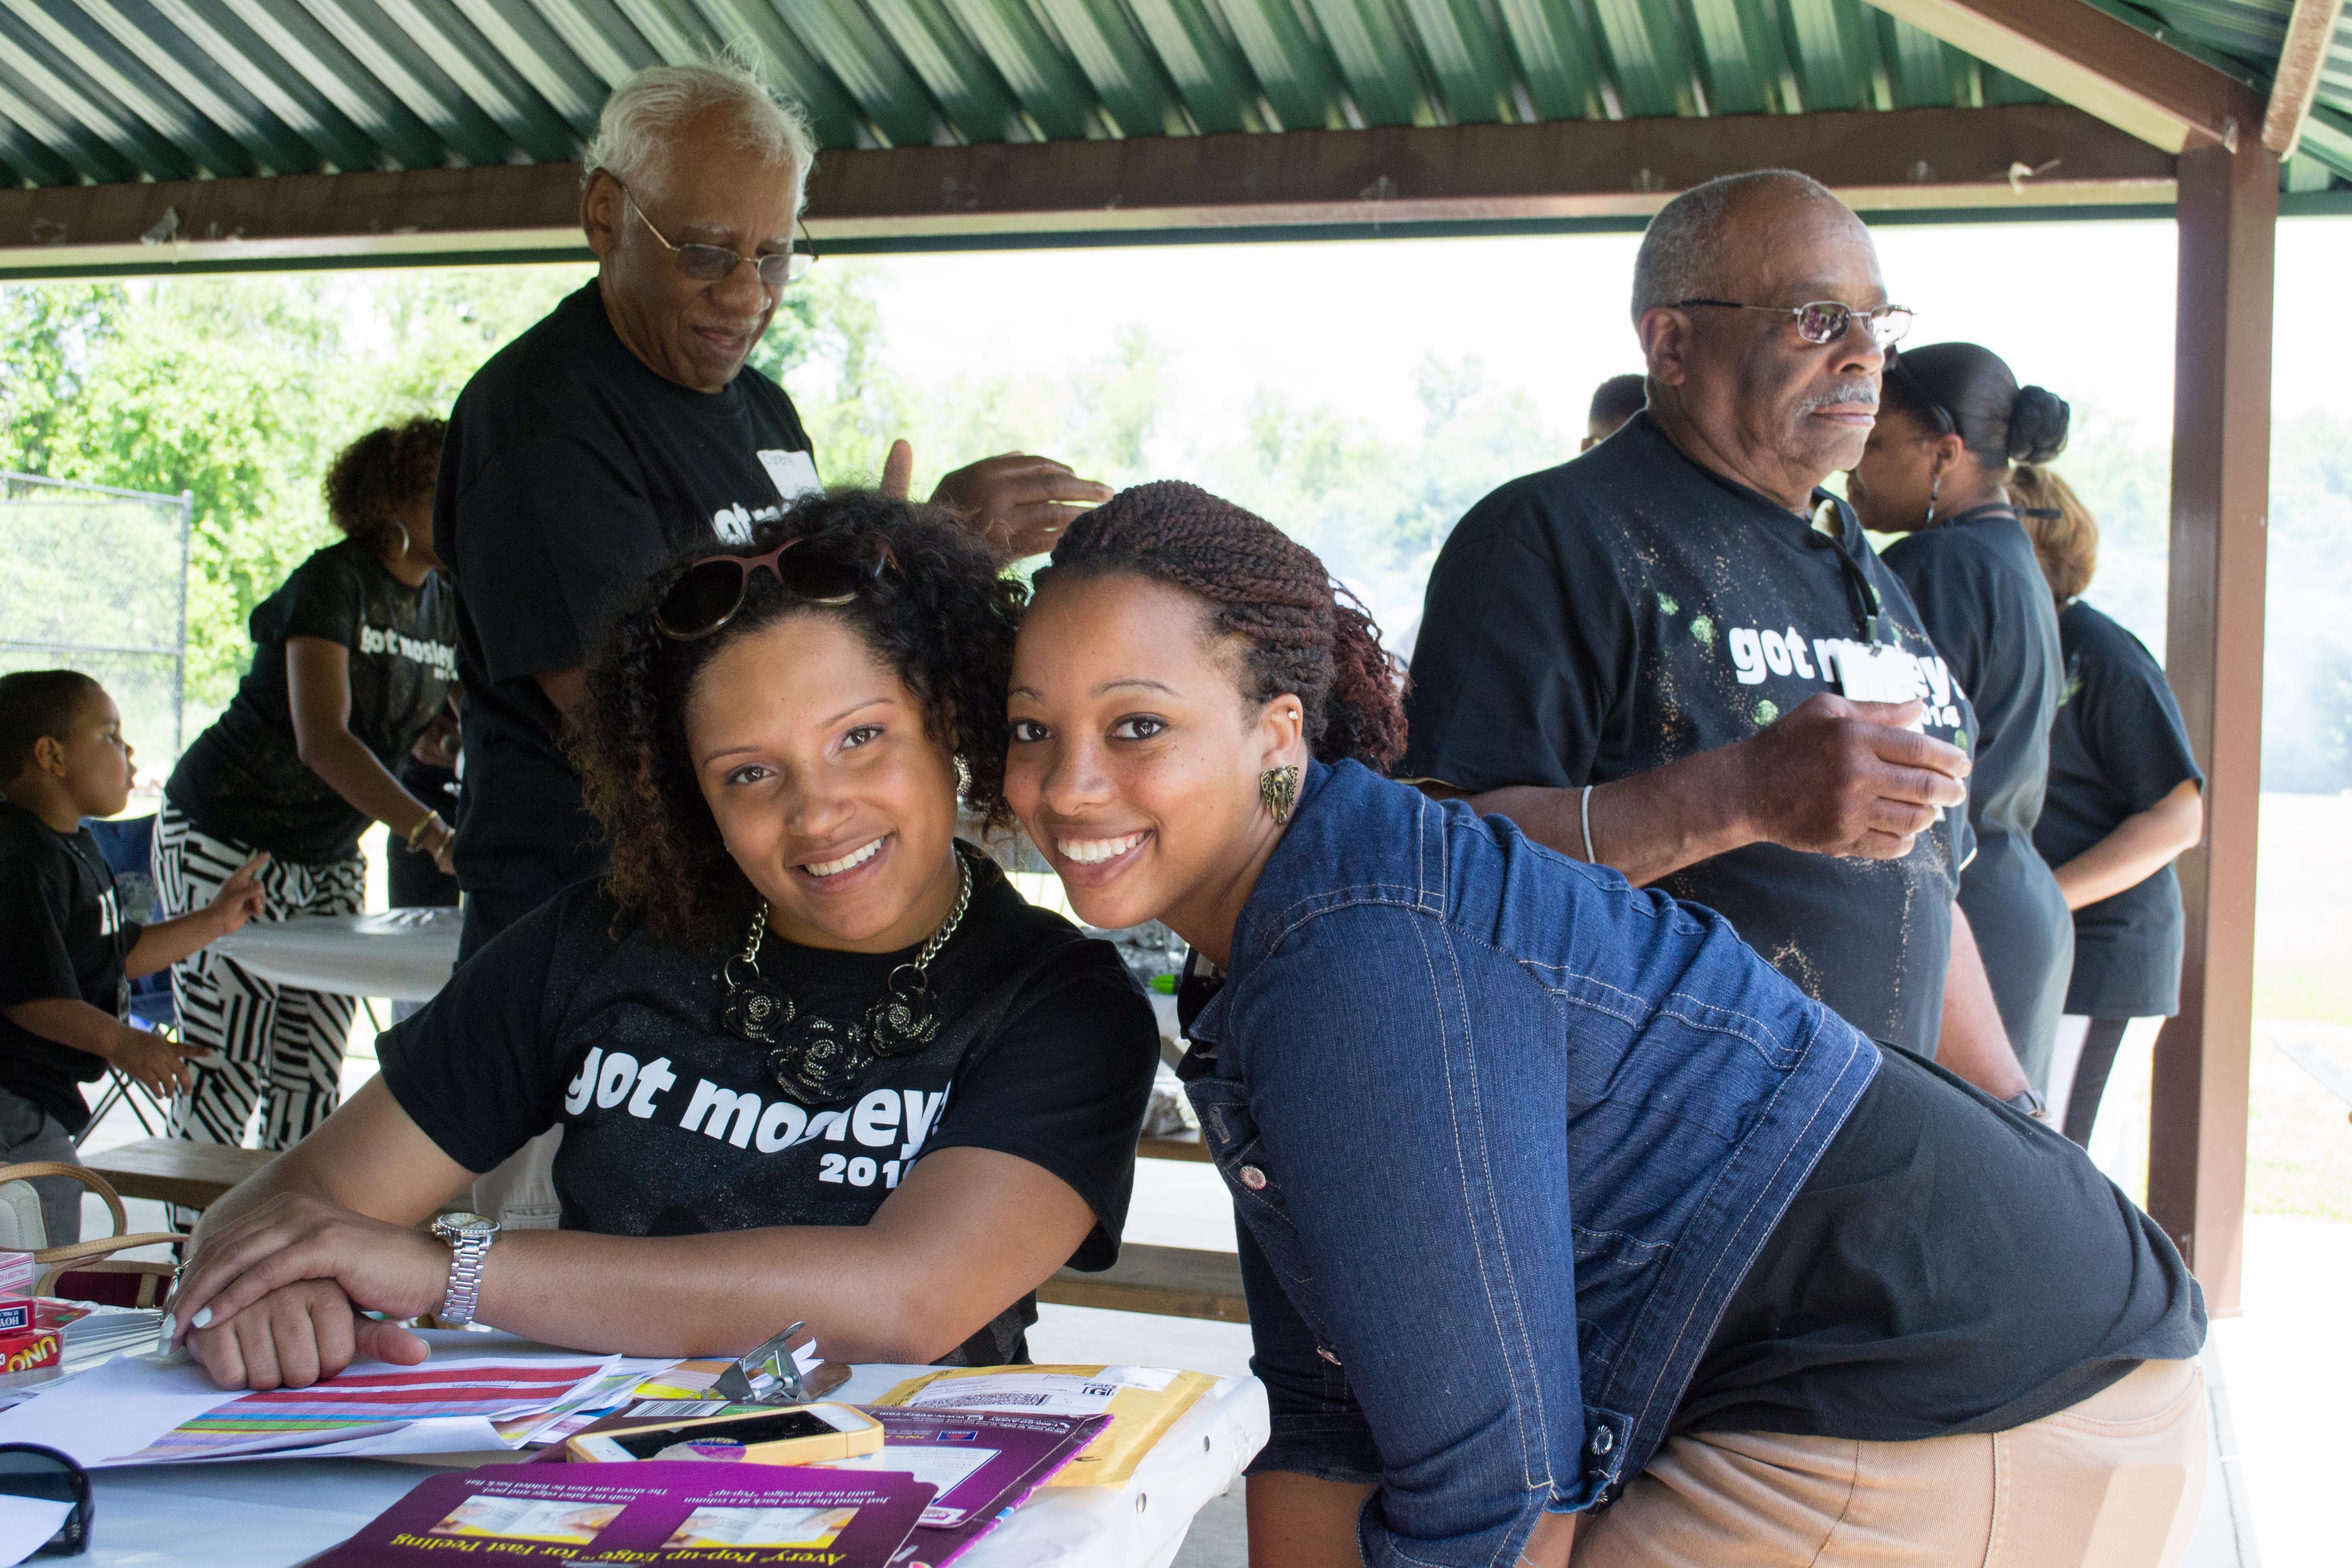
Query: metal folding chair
{"x": 128, "y": 847}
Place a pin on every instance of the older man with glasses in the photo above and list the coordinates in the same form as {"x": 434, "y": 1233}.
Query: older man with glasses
{"x": 1679, "y": 657}
{"x": 625, "y": 426}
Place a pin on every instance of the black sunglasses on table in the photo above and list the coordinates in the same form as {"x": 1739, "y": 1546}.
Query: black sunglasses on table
{"x": 44, "y": 1475}
{"x": 710, "y": 592}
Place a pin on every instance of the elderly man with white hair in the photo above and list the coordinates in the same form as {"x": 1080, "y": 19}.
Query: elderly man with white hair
{"x": 625, "y": 426}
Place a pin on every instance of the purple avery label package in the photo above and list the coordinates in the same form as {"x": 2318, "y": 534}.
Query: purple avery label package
{"x": 649, "y": 1513}
{"x": 985, "y": 1464}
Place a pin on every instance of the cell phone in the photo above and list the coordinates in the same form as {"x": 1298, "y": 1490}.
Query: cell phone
{"x": 796, "y": 1435}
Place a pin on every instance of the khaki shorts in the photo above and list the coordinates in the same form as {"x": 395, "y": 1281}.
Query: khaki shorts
{"x": 2113, "y": 1482}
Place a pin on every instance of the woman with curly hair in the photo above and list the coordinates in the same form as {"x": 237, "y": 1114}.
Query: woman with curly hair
{"x": 813, "y": 1058}
{"x": 1554, "y": 1195}
{"x": 353, "y": 658}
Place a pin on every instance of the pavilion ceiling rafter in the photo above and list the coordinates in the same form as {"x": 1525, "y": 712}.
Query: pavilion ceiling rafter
{"x": 1395, "y": 180}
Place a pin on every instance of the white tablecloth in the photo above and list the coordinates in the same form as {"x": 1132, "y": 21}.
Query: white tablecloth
{"x": 405, "y": 954}
{"x": 275, "y": 1513}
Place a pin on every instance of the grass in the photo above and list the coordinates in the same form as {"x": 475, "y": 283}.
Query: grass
{"x": 2298, "y": 1140}
{"x": 2302, "y": 910}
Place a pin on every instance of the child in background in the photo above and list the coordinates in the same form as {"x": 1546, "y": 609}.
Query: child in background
{"x": 66, "y": 956}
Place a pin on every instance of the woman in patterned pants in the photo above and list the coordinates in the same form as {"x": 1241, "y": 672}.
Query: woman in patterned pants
{"x": 273, "y": 1045}
{"x": 354, "y": 656}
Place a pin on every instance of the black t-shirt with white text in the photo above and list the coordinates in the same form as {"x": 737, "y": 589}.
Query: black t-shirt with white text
{"x": 62, "y": 934}
{"x": 1982, "y": 597}
{"x": 2117, "y": 748}
{"x": 673, "y": 1127}
{"x": 245, "y": 780}
{"x": 1628, "y": 609}
{"x": 570, "y": 474}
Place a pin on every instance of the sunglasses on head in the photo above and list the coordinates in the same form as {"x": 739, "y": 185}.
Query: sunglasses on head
{"x": 816, "y": 572}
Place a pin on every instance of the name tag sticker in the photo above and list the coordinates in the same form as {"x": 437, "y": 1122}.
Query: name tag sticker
{"x": 1877, "y": 673}
{"x": 794, "y": 473}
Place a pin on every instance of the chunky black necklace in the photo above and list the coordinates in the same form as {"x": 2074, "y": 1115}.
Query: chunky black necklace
{"x": 819, "y": 1060}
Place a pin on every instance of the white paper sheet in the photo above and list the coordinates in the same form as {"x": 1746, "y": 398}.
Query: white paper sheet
{"x": 116, "y": 1408}
{"x": 25, "y": 1525}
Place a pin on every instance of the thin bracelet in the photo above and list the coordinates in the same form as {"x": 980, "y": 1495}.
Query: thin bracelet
{"x": 417, "y": 834}
{"x": 1584, "y": 812}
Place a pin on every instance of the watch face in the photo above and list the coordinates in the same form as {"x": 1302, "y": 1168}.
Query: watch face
{"x": 463, "y": 1224}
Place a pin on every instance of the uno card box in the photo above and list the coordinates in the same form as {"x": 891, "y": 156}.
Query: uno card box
{"x": 32, "y": 1350}
{"x": 791, "y": 1435}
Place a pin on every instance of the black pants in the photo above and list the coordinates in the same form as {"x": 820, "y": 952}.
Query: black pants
{"x": 2100, "y": 1042}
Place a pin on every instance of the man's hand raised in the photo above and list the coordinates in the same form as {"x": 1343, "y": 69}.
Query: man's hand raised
{"x": 1017, "y": 502}
{"x": 1837, "y": 777}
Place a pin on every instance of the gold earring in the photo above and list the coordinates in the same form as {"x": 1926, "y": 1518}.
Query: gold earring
{"x": 1278, "y": 791}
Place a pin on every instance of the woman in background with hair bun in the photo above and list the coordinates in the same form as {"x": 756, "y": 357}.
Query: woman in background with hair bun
{"x": 1952, "y": 420}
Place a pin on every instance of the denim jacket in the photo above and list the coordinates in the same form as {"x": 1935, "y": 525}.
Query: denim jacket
{"x": 1504, "y": 1134}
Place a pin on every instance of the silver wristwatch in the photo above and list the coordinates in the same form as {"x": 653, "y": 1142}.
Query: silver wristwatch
{"x": 470, "y": 1236}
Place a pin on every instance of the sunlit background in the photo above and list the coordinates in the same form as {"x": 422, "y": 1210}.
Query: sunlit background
{"x": 1361, "y": 395}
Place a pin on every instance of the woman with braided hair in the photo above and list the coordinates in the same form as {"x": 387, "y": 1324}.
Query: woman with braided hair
{"x": 813, "y": 1058}
{"x": 1554, "y": 1198}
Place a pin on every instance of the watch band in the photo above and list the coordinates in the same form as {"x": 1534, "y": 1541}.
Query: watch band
{"x": 465, "y": 1255}
{"x": 2030, "y": 1104}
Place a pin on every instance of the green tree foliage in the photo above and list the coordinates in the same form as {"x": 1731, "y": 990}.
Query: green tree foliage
{"x": 240, "y": 391}
{"x": 1375, "y": 508}
{"x": 2124, "y": 476}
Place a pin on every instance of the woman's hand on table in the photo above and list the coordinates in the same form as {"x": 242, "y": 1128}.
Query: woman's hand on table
{"x": 291, "y": 1238}
{"x": 296, "y": 1335}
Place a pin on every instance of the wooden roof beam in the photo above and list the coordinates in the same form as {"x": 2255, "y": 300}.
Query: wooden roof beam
{"x": 2101, "y": 64}
{"x": 2014, "y": 158}
{"x": 2303, "y": 54}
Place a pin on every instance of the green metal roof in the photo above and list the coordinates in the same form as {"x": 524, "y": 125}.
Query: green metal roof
{"x": 113, "y": 90}
{"x": 2242, "y": 36}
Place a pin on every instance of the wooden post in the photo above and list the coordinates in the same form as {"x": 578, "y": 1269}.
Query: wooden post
{"x": 2213, "y": 642}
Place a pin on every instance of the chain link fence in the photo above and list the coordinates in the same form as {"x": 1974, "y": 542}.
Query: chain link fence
{"x": 97, "y": 580}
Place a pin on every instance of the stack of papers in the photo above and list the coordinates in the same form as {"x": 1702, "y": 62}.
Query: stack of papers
{"x": 94, "y": 1332}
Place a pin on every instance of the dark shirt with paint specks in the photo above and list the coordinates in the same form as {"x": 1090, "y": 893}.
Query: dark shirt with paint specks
{"x": 1630, "y": 608}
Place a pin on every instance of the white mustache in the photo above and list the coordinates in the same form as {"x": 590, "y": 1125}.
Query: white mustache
{"x": 1859, "y": 391}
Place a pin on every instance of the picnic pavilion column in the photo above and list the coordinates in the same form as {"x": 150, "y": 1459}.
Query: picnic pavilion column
{"x": 2214, "y": 653}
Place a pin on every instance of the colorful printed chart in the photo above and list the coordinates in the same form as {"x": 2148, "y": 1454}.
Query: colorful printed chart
{"x": 356, "y": 1403}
